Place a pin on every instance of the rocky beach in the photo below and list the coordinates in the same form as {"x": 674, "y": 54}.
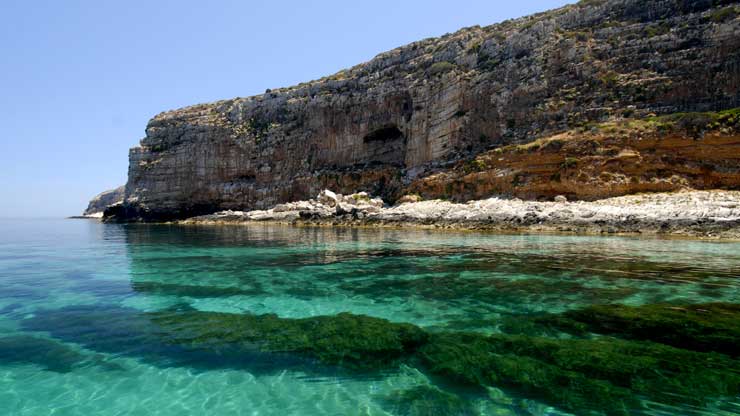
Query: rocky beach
{"x": 708, "y": 214}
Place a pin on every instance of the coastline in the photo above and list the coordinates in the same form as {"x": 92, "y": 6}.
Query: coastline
{"x": 94, "y": 216}
{"x": 713, "y": 215}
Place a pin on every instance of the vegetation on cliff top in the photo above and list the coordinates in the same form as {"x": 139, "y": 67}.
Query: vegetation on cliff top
{"x": 695, "y": 124}
{"x": 696, "y": 150}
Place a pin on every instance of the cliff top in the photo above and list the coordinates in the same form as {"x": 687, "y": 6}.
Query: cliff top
{"x": 474, "y": 51}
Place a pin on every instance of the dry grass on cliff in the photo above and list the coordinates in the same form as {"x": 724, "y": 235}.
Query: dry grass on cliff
{"x": 599, "y": 160}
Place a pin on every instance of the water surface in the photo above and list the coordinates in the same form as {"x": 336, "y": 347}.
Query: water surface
{"x": 77, "y": 299}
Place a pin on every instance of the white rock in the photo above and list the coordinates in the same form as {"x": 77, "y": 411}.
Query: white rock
{"x": 343, "y": 208}
{"x": 651, "y": 210}
{"x": 294, "y": 206}
{"x": 328, "y": 197}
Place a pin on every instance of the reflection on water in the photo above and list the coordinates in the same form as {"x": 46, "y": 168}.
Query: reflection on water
{"x": 103, "y": 319}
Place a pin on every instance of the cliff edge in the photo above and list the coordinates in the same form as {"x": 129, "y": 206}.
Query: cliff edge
{"x": 97, "y": 205}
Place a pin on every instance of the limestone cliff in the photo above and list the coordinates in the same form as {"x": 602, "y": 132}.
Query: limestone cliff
{"x": 655, "y": 154}
{"x": 418, "y": 110}
{"x": 103, "y": 200}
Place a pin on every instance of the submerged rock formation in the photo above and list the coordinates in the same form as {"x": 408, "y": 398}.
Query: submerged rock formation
{"x": 704, "y": 328}
{"x": 418, "y": 109}
{"x": 97, "y": 205}
{"x": 584, "y": 374}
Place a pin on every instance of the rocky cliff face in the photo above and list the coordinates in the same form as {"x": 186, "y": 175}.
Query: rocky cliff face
{"x": 417, "y": 110}
{"x": 103, "y": 200}
{"x": 656, "y": 154}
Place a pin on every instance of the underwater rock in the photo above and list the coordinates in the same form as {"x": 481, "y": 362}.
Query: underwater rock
{"x": 49, "y": 354}
{"x": 500, "y": 291}
{"x": 211, "y": 339}
{"x": 426, "y": 401}
{"x": 193, "y": 291}
{"x": 701, "y": 327}
{"x": 606, "y": 375}
{"x": 352, "y": 341}
{"x": 474, "y": 359}
{"x": 105, "y": 328}
{"x": 603, "y": 375}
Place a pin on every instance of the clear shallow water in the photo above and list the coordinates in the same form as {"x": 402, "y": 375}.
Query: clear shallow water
{"x": 100, "y": 283}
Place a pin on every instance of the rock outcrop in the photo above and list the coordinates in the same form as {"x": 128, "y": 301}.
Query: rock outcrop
{"x": 417, "y": 110}
{"x": 97, "y": 205}
{"x": 657, "y": 154}
{"x": 695, "y": 213}
{"x": 327, "y": 205}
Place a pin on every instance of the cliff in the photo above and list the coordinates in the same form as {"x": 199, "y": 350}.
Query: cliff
{"x": 103, "y": 200}
{"x": 392, "y": 125}
{"x": 655, "y": 154}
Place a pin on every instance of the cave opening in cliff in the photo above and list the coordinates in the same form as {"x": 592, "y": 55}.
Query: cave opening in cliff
{"x": 384, "y": 134}
{"x": 385, "y": 146}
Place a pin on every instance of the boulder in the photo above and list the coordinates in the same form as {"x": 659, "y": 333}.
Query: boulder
{"x": 410, "y": 198}
{"x": 327, "y": 197}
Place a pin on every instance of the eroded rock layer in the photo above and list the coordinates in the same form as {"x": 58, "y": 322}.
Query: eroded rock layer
{"x": 418, "y": 109}
{"x": 657, "y": 154}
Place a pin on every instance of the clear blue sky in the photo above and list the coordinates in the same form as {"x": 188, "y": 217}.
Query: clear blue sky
{"x": 80, "y": 79}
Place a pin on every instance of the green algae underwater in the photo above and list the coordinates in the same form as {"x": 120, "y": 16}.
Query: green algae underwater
{"x": 135, "y": 319}
{"x": 602, "y": 374}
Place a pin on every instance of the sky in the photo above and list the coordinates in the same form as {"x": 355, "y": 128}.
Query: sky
{"x": 80, "y": 79}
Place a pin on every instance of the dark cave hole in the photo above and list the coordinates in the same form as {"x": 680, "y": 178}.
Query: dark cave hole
{"x": 384, "y": 134}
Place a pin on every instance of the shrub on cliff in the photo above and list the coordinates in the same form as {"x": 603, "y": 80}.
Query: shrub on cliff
{"x": 723, "y": 15}
{"x": 441, "y": 67}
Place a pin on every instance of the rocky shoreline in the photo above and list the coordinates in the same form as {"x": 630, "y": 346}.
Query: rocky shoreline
{"x": 704, "y": 214}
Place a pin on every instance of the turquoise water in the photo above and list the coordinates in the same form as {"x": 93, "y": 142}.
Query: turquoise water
{"x": 77, "y": 299}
